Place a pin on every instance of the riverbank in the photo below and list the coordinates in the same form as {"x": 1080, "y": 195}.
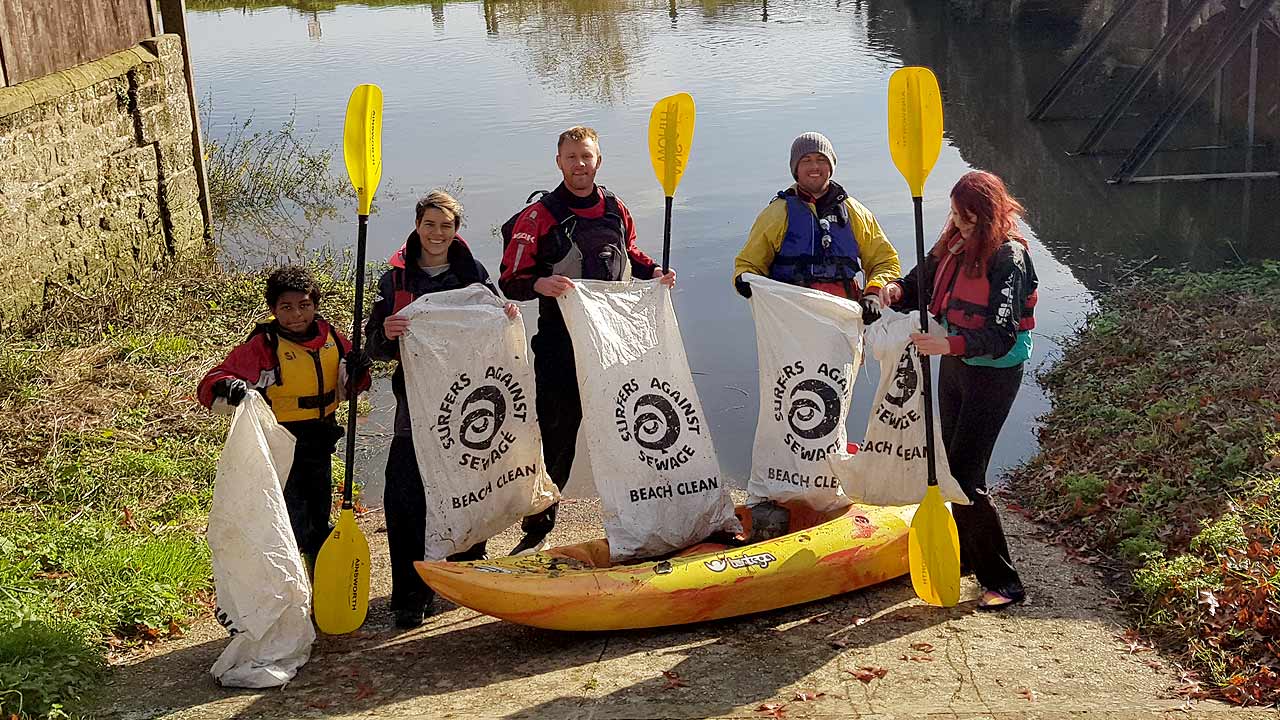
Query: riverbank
{"x": 106, "y": 474}
{"x": 1159, "y": 461}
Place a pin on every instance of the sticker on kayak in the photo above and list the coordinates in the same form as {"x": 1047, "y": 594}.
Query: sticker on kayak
{"x": 760, "y": 560}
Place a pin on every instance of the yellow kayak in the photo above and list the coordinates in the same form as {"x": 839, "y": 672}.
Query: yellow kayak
{"x": 576, "y": 588}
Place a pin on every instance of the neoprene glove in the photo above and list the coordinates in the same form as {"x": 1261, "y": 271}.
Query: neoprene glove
{"x": 232, "y": 389}
{"x": 357, "y": 366}
{"x": 870, "y": 309}
{"x": 742, "y": 286}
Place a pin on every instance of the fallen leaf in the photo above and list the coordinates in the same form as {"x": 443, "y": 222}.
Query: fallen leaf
{"x": 1209, "y": 600}
{"x": 867, "y": 673}
{"x": 1027, "y": 693}
{"x": 364, "y": 690}
{"x": 808, "y": 695}
{"x": 1153, "y": 664}
{"x": 320, "y": 704}
{"x": 773, "y": 709}
{"x": 673, "y": 680}
{"x": 922, "y": 647}
{"x": 175, "y": 630}
{"x": 860, "y": 621}
{"x": 840, "y": 644}
{"x": 916, "y": 658}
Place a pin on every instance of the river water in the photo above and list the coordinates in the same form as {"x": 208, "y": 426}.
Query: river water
{"x": 476, "y": 93}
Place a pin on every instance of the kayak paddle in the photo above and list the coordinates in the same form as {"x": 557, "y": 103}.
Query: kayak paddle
{"x": 915, "y": 138}
{"x": 342, "y": 568}
{"x": 670, "y": 135}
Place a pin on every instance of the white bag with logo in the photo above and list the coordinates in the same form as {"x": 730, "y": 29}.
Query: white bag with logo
{"x": 264, "y": 596}
{"x": 475, "y": 432}
{"x": 647, "y": 437}
{"x": 809, "y": 345}
{"x": 891, "y": 467}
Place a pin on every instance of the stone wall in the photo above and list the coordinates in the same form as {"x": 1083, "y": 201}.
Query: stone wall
{"x": 97, "y": 181}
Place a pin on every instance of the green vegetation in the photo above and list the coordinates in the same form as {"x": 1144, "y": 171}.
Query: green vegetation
{"x": 268, "y": 188}
{"x": 1162, "y": 453}
{"x": 106, "y": 473}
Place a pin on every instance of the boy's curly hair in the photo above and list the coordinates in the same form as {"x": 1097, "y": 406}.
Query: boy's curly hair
{"x": 291, "y": 278}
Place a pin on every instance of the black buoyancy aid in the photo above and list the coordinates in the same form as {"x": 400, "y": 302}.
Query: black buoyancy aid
{"x": 306, "y": 382}
{"x": 816, "y": 250}
{"x": 587, "y": 248}
{"x": 964, "y": 301}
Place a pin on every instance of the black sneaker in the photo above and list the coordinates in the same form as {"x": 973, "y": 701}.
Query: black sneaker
{"x": 412, "y": 617}
{"x": 533, "y": 542}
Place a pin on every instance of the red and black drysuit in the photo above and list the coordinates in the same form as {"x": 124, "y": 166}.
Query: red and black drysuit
{"x": 307, "y": 412}
{"x": 404, "y": 498}
{"x": 545, "y": 237}
{"x": 984, "y": 316}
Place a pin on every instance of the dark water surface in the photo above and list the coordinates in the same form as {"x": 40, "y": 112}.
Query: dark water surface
{"x": 476, "y": 93}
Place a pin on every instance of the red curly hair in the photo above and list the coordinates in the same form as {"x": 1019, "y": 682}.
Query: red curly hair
{"x": 983, "y": 195}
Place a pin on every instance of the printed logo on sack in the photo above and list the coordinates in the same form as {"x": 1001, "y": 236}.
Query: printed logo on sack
{"x": 658, "y": 417}
{"x": 471, "y": 419}
{"x": 809, "y": 402}
{"x": 760, "y": 560}
{"x": 905, "y": 380}
{"x": 898, "y": 412}
{"x": 472, "y": 414}
{"x": 654, "y": 415}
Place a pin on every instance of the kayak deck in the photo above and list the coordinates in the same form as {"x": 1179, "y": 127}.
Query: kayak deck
{"x": 576, "y": 587}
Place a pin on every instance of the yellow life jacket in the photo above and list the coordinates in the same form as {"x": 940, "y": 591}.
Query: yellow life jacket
{"x": 306, "y": 386}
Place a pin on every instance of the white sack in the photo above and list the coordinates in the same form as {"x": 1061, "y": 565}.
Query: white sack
{"x": 475, "y": 431}
{"x": 891, "y": 467}
{"x": 647, "y": 437}
{"x": 264, "y": 596}
{"x": 809, "y": 345}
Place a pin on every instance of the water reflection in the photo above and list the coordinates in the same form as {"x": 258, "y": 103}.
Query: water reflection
{"x": 1097, "y": 229}
{"x": 581, "y": 47}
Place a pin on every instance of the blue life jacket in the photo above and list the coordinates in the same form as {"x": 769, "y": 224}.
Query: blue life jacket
{"x": 816, "y": 250}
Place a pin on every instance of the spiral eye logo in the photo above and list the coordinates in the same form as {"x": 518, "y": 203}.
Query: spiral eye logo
{"x": 481, "y": 424}
{"x": 657, "y": 428}
{"x": 905, "y": 380}
{"x": 815, "y": 409}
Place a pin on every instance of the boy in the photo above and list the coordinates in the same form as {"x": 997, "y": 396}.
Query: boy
{"x": 299, "y": 363}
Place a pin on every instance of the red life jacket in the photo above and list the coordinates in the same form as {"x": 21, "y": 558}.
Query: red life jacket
{"x": 964, "y": 301}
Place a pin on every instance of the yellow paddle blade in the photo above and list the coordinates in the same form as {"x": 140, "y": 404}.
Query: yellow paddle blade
{"x": 670, "y": 136}
{"x": 915, "y": 124}
{"x": 362, "y": 142}
{"x": 934, "y": 552}
{"x": 341, "y": 588}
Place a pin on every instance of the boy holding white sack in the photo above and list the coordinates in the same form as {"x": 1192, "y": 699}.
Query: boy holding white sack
{"x": 462, "y": 375}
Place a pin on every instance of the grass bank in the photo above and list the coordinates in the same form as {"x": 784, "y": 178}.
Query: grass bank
{"x": 1160, "y": 459}
{"x": 106, "y": 473}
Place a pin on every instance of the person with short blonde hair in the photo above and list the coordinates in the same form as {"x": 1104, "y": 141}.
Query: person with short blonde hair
{"x": 577, "y": 231}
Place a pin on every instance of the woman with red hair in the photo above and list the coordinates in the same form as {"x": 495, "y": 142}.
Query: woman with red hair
{"x": 983, "y": 291}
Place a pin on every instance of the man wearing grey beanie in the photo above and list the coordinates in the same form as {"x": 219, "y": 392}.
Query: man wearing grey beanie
{"x": 814, "y": 235}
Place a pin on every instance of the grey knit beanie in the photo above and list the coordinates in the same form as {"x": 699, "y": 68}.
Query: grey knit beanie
{"x": 811, "y": 142}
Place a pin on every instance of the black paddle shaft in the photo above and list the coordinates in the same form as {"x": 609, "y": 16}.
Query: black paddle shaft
{"x": 666, "y": 238}
{"x": 926, "y": 381}
{"x": 349, "y": 478}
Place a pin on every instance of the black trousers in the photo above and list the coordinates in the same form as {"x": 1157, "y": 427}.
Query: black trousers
{"x": 308, "y": 492}
{"x": 559, "y": 414}
{"x": 974, "y": 402}
{"x": 404, "y": 504}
